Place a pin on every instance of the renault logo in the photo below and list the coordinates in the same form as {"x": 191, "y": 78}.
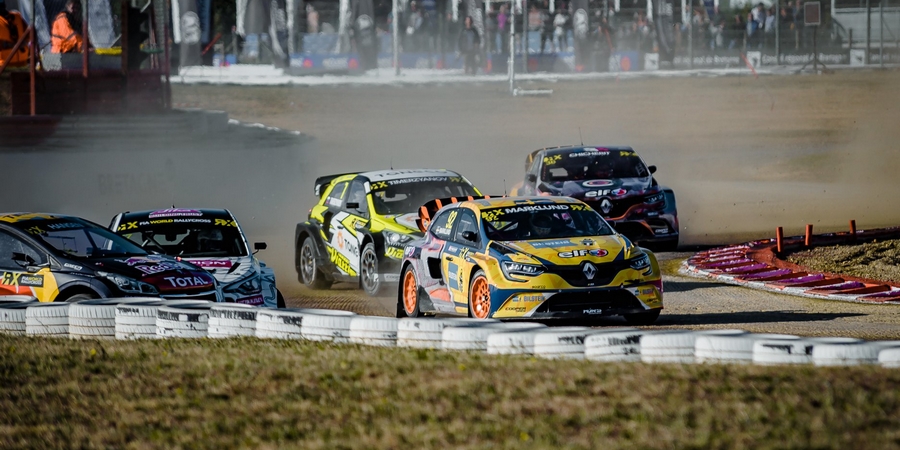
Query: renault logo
{"x": 589, "y": 271}
{"x": 605, "y": 206}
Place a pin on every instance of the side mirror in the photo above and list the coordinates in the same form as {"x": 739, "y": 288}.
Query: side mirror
{"x": 652, "y": 169}
{"x": 531, "y": 178}
{"x": 26, "y": 262}
{"x": 469, "y": 236}
{"x": 260, "y": 246}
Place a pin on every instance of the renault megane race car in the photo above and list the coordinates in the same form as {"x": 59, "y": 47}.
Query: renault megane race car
{"x": 527, "y": 258}
{"x": 362, "y": 222}
{"x": 211, "y": 239}
{"x": 615, "y": 182}
{"x": 63, "y": 258}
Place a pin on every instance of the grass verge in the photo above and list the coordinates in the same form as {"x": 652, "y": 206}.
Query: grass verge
{"x": 249, "y": 392}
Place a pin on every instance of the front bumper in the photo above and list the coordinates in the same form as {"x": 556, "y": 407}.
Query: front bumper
{"x": 577, "y": 303}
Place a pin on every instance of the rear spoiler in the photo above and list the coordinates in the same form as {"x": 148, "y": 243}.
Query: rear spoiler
{"x": 427, "y": 211}
{"x": 323, "y": 182}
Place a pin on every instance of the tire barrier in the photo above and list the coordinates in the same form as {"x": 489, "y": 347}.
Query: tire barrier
{"x": 889, "y": 357}
{"x": 427, "y": 332}
{"x": 183, "y": 321}
{"x": 779, "y": 351}
{"x": 326, "y": 327}
{"x": 563, "y": 342}
{"x": 375, "y": 331}
{"x": 616, "y": 345}
{"x": 90, "y": 319}
{"x": 47, "y": 319}
{"x": 12, "y": 317}
{"x": 515, "y": 342}
{"x": 473, "y": 335}
{"x": 286, "y": 323}
{"x": 850, "y": 354}
{"x": 734, "y": 349}
{"x": 137, "y": 320}
{"x": 16, "y": 298}
{"x": 676, "y": 346}
{"x": 232, "y": 320}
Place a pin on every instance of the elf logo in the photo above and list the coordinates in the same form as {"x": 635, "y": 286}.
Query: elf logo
{"x": 598, "y": 252}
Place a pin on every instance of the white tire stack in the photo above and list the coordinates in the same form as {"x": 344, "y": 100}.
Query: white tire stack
{"x": 474, "y": 336}
{"x": 12, "y": 317}
{"x": 889, "y": 357}
{"x": 327, "y": 327}
{"x": 563, "y": 342}
{"x": 769, "y": 352}
{"x": 232, "y": 320}
{"x": 183, "y": 321}
{"x": 675, "y": 346}
{"x": 616, "y": 345}
{"x": 513, "y": 342}
{"x": 16, "y": 298}
{"x": 375, "y": 331}
{"x": 287, "y": 323}
{"x": 90, "y": 319}
{"x": 427, "y": 332}
{"x": 47, "y": 319}
{"x": 137, "y": 320}
{"x": 737, "y": 349}
{"x": 853, "y": 354}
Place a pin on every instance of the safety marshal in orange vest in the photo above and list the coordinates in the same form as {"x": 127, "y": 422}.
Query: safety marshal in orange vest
{"x": 66, "y": 34}
{"x": 12, "y": 28}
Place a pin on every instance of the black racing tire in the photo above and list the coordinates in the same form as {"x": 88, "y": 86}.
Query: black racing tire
{"x": 644, "y": 318}
{"x": 279, "y": 300}
{"x": 78, "y": 297}
{"x": 309, "y": 272}
{"x": 368, "y": 272}
{"x": 408, "y": 294}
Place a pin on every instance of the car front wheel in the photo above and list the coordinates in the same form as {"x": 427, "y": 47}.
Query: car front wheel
{"x": 479, "y": 296}
{"x": 408, "y": 305}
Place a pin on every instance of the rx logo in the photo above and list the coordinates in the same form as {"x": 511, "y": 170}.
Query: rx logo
{"x": 225, "y": 223}
{"x": 128, "y": 226}
{"x": 550, "y": 160}
{"x": 491, "y": 216}
{"x": 379, "y": 185}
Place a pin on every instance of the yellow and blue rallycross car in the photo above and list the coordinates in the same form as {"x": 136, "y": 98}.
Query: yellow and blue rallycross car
{"x": 362, "y": 222}
{"x": 526, "y": 258}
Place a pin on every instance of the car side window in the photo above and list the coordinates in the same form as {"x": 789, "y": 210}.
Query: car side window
{"x": 10, "y": 244}
{"x": 336, "y": 196}
{"x": 466, "y": 222}
{"x": 442, "y": 226}
{"x": 358, "y": 195}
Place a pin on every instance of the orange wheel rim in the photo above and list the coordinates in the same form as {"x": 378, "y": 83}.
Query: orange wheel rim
{"x": 481, "y": 298}
{"x": 409, "y": 292}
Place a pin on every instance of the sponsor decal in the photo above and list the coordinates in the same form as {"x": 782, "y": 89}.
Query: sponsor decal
{"x": 660, "y": 230}
{"x": 225, "y": 223}
{"x": 571, "y": 339}
{"x": 341, "y": 261}
{"x": 212, "y": 263}
{"x": 627, "y": 153}
{"x": 551, "y": 160}
{"x": 174, "y": 212}
{"x": 597, "y": 183}
{"x": 254, "y": 300}
{"x": 72, "y": 266}
{"x": 592, "y": 311}
{"x": 655, "y": 198}
{"x": 64, "y": 226}
{"x": 589, "y": 271}
{"x": 601, "y": 192}
{"x": 551, "y": 244}
{"x": 627, "y": 340}
{"x": 598, "y": 252}
{"x": 128, "y": 226}
{"x": 589, "y": 152}
{"x": 187, "y": 281}
{"x": 394, "y": 252}
{"x": 21, "y": 279}
{"x": 150, "y": 267}
{"x": 380, "y": 185}
{"x": 606, "y": 205}
{"x": 411, "y": 252}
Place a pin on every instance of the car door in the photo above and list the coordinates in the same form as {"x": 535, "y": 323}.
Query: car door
{"x": 333, "y": 228}
{"x": 21, "y": 265}
{"x": 457, "y": 255}
{"x": 349, "y": 223}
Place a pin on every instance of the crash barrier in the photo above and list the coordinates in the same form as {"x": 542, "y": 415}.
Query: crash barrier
{"x": 151, "y": 318}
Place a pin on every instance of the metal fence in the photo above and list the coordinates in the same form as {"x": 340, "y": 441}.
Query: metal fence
{"x": 614, "y": 35}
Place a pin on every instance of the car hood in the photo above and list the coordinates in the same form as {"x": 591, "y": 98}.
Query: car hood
{"x": 613, "y": 188}
{"x": 227, "y": 269}
{"x": 570, "y": 251}
{"x": 167, "y": 274}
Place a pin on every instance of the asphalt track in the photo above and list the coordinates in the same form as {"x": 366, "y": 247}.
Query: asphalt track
{"x": 744, "y": 155}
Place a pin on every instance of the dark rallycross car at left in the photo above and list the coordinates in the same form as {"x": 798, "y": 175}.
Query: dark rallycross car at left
{"x": 54, "y": 257}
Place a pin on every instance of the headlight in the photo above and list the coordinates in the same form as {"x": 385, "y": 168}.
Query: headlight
{"x": 129, "y": 285}
{"x": 513, "y": 269}
{"x": 249, "y": 286}
{"x": 640, "y": 263}
{"x": 396, "y": 239}
{"x": 655, "y": 198}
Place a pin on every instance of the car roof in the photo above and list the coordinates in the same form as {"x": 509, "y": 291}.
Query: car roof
{"x": 578, "y": 148}
{"x": 503, "y": 202}
{"x": 171, "y": 213}
{"x": 397, "y": 174}
{"x": 22, "y": 220}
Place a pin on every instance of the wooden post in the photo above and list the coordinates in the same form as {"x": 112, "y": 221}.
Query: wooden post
{"x": 779, "y": 239}
{"x": 853, "y": 230}
{"x": 809, "y": 231}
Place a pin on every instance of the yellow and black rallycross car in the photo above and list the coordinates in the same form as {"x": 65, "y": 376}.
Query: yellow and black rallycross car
{"x": 359, "y": 227}
{"x": 526, "y": 258}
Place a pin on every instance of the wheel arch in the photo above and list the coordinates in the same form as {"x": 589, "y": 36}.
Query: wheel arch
{"x": 75, "y": 289}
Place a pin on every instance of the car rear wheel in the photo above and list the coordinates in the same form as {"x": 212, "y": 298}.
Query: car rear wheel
{"x": 408, "y": 306}
{"x": 78, "y": 298}
{"x": 644, "y": 318}
{"x": 479, "y": 296}
{"x": 368, "y": 271}
{"x": 310, "y": 274}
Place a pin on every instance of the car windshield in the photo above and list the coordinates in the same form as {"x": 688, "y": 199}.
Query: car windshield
{"x": 593, "y": 164}
{"x": 189, "y": 240}
{"x": 543, "y": 222}
{"x": 78, "y": 238}
{"x": 406, "y": 195}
